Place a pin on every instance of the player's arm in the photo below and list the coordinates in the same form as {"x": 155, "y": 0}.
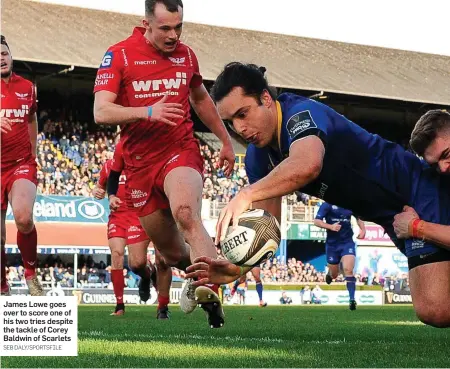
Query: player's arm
{"x": 33, "y": 132}
{"x": 321, "y": 215}
{"x": 436, "y": 233}
{"x": 303, "y": 165}
{"x": 409, "y": 225}
{"x": 362, "y": 228}
{"x": 106, "y": 111}
{"x": 207, "y": 112}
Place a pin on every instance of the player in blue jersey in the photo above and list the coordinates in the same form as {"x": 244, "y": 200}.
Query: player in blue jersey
{"x": 299, "y": 144}
{"x": 340, "y": 246}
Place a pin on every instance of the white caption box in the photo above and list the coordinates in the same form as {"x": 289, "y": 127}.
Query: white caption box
{"x": 39, "y": 326}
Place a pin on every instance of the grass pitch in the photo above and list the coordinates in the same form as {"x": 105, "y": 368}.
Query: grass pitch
{"x": 276, "y": 336}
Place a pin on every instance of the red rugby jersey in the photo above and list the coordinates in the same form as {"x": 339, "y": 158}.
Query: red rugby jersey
{"x": 18, "y": 103}
{"x": 140, "y": 76}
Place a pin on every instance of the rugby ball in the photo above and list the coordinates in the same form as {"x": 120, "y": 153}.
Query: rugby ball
{"x": 255, "y": 239}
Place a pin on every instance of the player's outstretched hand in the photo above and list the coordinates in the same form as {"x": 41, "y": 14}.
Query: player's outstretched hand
{"x": 403, "y": 221}
{"x": 98, "y": 193}
{"x": 114, "y": 202}
{"x": 336, "y": 227}
{"x": 230, "y": 213}
{"x": 227, "y": 158}
{"x": 6, "y": 125}
{"x": 166, "y": 112}
{"x": 207, "y": 270}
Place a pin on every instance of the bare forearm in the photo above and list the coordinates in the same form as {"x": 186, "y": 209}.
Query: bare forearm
{"x": 207, "y": 113}
{"x": 283, "y": 180}
{"x": 321, "y": 224}
{"x": 437, "y": 233}
{"x": 361, "y": 225}
{"x": 113, "y": 114}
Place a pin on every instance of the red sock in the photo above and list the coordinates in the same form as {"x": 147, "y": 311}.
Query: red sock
{"x": 28, "y": 249}
{"x": 118, "y": 284}
{"x": 3, "y": 265}
{"x": 163, "y": 301}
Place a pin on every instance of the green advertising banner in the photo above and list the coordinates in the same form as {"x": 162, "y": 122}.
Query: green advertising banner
{"x": 306, "y": 231}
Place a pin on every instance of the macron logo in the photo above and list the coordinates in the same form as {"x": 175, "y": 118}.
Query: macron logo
{"x": 158, "y": 84}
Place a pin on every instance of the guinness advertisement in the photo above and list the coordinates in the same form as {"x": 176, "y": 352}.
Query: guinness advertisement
{"x": 397, "y": 297}
{"x": 102, "y": 295}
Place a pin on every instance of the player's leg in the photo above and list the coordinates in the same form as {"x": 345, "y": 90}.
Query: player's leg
{"x": 163, "y": 231}
{"x": 430, "y": 288}
{"x": 183, "y": 187}
{"x": 22, "y": 196}
{"x": 117, "y": 247}
{"x": 237, "y": 282}
{"x": 137, "y": 261}
{"x": 4, "y": 284}
{"x": 164, "y": 274}
{"x": 256, "y": 271}
{"x": 348, "y": 263}
{"x": 333, "y": 260}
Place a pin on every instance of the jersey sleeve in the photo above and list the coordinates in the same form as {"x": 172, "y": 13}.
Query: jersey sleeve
{"x": 257, "y": 163}
{"x": 307, "y": 118}
{"x": 33, "y": 108}
{"x": 197, "y": 78}
{"x": 323, "y": 211}
{"x": 104, "y": 173}
{"x": 117, "y": 161}
{"x": 110, "y": 72}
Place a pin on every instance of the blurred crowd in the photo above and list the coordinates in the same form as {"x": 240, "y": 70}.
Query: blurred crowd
{"x": 70, "y": 158}
{"x": 54, "y": 273}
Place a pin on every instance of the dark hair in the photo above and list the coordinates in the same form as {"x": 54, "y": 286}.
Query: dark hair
{"x": 249, "y": 77}
{"x": 3, "y": 41}
{"x": 426, "y": 129}
{"x": 171, "y": 5}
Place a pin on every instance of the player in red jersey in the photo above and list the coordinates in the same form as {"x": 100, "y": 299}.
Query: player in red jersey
{"x": 145, "y": 84}
{"x": 18, "y": 166}
{"x": 124, "y": 229}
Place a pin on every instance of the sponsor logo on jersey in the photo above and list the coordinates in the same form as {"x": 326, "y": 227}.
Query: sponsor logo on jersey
{"x": 144, "y": 62}
{"x": 21, "y": 96}
{"x": 300, "y": 123}
{"x": 21, "y": 170}
{"x": 102, "y": 79}
{"x": 107, "y": 60}
{"x": 159, "y": 87}
{"x": 323, "y": 189}
{"x": 19, "y": 114}
{"x": 177, "y": 61}
{"x": 133, "y": 229}
{"x": 138, "y": 194}
{"x": 125, "y": 60}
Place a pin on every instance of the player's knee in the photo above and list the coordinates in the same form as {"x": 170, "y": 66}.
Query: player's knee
{"x": 24, "y": 221}
{"x": 161, "y": 264}
{"x": 173, "y": 258}
{"x": 185, "y": 217}
{"x": 137, "y": 265}
{"x": 117, "y": 257}
{"x": 435, "y": 315}
{"x": 348, "y": 272}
